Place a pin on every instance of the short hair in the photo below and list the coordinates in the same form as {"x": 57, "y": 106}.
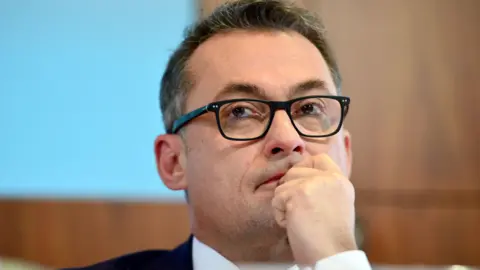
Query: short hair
{"x": 255, "y": 15}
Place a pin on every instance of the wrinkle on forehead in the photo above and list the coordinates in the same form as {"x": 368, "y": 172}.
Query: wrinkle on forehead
{"x": 273, "y": 60}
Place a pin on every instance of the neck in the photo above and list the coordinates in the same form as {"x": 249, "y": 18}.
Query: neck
{"x": 261, "y": 250}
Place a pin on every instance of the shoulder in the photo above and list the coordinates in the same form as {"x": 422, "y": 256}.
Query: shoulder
{"x": 178, "y": 258}
{"x": 137, "y": 260}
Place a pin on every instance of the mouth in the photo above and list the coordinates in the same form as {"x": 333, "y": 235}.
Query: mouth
{"x": 272, "y": 181}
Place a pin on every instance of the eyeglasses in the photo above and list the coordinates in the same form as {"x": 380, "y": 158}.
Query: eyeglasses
{"x": 250, "y": 119}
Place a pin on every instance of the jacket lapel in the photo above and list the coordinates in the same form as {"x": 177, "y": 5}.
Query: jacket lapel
{"x": 179, "y": 258}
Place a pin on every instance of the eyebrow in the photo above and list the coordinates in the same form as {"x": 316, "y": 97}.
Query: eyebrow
{"x": 258, "y": 92}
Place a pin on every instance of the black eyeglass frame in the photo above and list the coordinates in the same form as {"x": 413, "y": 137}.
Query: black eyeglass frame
{"x": 274, "y": 106}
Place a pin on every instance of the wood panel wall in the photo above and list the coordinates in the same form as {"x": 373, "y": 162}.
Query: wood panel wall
{"x": 75, "y": 233}
{"x": 411, "y": 68}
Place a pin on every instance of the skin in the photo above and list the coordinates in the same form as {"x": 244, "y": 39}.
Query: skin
{"x": 311, "y": 205}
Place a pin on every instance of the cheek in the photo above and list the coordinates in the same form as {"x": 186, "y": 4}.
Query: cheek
{"x": 334, "y": 147}
{"x": 217, "y": 165}
{"x": 204, "y": 177}
{"x": 338, "y": 154}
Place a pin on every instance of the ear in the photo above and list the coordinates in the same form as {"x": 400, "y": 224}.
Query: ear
{"x": 347, "y": 142}
{"x": 170, "y": 159}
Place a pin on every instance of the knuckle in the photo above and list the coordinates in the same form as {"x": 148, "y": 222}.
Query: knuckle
{"x": 307, "y": 188}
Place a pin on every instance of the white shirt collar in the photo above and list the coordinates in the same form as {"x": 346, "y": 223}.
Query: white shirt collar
{"x": 206, "y": 258}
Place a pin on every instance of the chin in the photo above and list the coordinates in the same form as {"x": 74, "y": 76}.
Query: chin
{"x": 266, "y": 227}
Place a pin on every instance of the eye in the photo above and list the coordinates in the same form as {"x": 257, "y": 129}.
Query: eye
{"x": 244, "y": 110}
{"x": 309, "y": 107}
{"x": 241, "y": 112}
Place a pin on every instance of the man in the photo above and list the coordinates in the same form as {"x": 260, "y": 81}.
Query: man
{"x": 252, "y": 107}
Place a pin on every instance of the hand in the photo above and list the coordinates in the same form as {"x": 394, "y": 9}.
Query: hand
{"x": 315, "y": 203}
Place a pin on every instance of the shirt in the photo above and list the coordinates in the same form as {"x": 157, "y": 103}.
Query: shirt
{"x": 206, "y": 258}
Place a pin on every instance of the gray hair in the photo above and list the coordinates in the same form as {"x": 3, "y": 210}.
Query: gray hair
{"x": 263, "y": 15}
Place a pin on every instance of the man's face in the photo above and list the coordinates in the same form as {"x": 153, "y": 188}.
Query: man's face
{"x": 225, "y": 177}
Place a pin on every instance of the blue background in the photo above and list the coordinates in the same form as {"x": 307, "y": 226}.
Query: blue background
{"x": 79, "y": 85}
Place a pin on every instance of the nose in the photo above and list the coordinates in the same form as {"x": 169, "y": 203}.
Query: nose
{"x": 282, "y": 138}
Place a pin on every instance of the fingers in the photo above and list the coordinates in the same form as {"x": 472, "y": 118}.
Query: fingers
{"x": 280, "y": 204}
{"x": 298, "y": 172}
{"x": 305, "y": 178}
{"x": 321, "y": 162}
{"x": 296, "y": 176}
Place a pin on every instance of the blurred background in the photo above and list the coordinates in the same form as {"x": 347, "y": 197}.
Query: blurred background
{"x": 79, "y": 84}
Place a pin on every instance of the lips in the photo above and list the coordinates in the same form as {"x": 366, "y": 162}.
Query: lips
{"x": 274, "y": 178}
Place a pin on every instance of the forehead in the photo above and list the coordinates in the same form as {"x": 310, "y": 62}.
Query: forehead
{"x": 274, "y": 61}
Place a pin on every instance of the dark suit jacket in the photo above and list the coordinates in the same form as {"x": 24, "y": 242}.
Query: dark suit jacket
{"x": 179, "y": 258}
